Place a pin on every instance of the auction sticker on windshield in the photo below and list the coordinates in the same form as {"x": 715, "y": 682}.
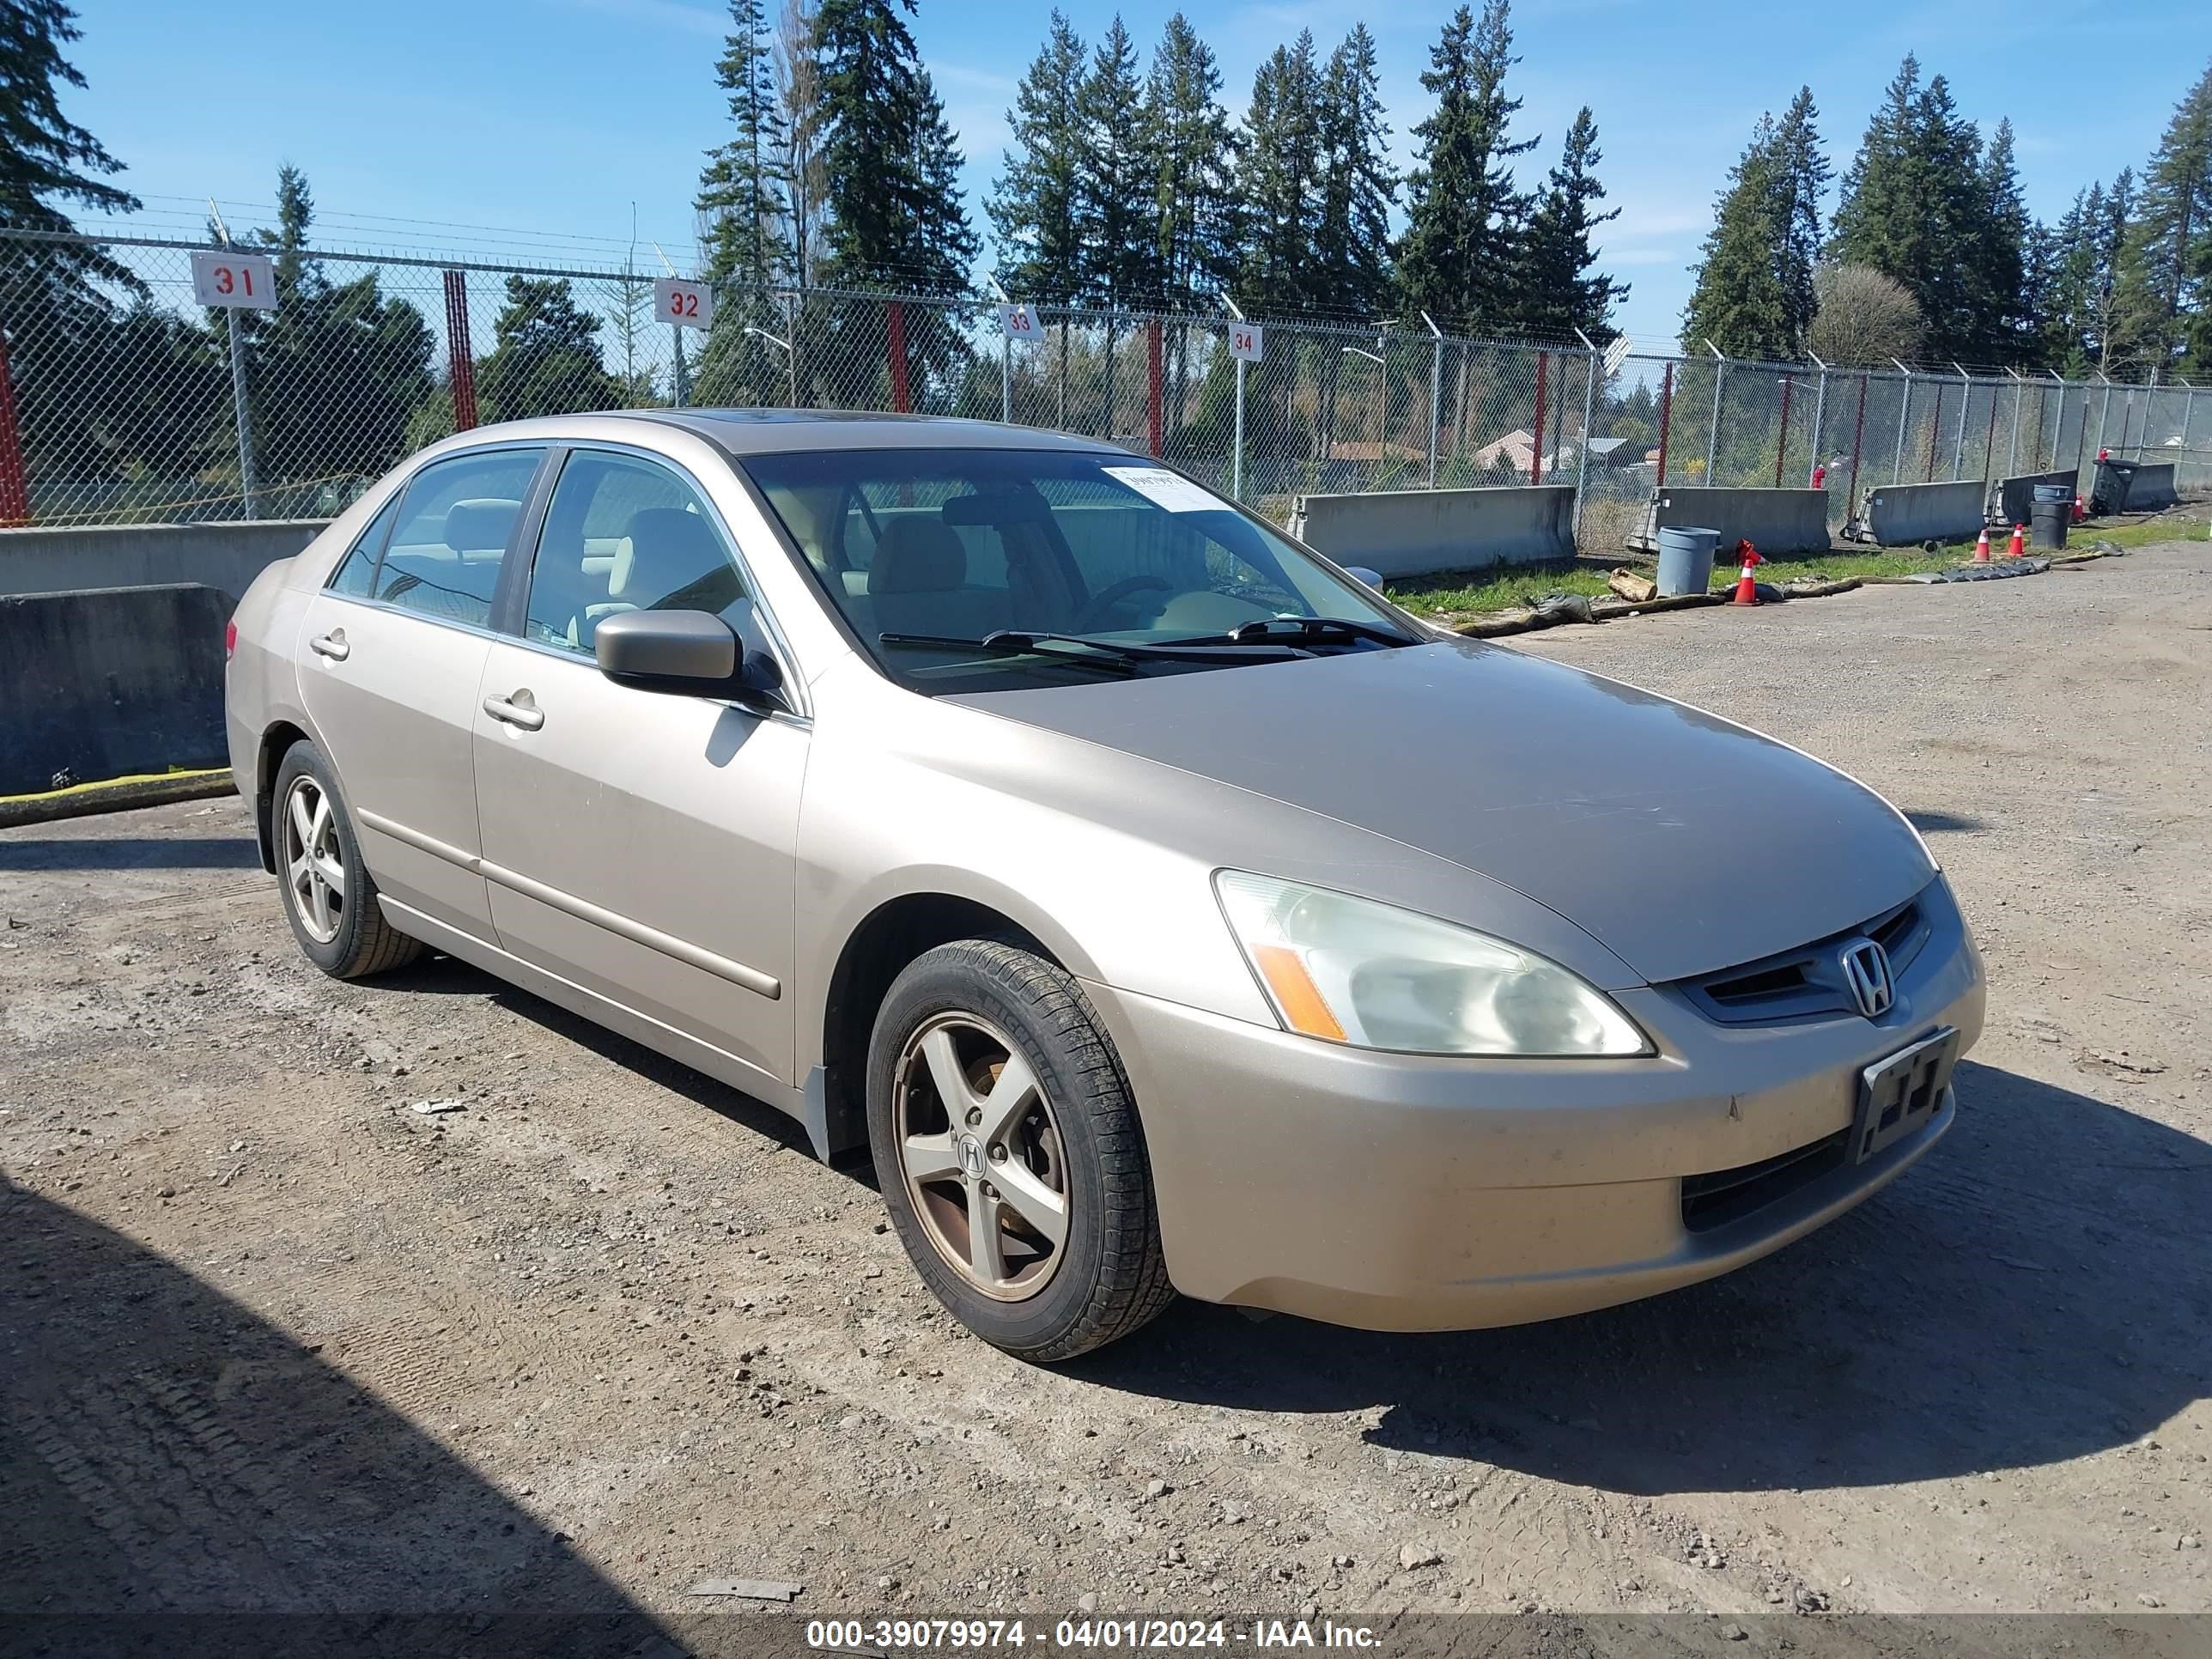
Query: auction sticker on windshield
{"x": 1164, "y": 489}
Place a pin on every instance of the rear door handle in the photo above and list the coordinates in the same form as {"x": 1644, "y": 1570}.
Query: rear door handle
{"x": 332, "y": 645}
{"x": 528, "y": 716}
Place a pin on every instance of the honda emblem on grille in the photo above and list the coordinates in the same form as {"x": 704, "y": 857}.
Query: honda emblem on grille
{"x": 1866, "y": 971}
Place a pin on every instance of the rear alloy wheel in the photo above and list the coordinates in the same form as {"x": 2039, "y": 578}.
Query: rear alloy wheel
{"x": 330, "y": 897}
{"x": 1009, "y": 1152}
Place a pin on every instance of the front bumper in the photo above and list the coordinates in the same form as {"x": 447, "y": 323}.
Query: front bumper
{"x": 1396, "y": 1191}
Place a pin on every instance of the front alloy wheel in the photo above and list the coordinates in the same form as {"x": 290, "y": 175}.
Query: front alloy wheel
{"x": 981, "y": 1153}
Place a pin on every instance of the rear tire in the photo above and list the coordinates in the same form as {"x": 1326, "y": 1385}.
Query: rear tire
{"x": 1057, "y": 1150}
{"x": 330, "y": 897}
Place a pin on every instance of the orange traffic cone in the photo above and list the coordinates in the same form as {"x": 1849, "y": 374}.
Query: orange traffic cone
{"x": 1982, "y": 547}
{"x": 2019, "y": 547}
{"x": 1746, "y": 586}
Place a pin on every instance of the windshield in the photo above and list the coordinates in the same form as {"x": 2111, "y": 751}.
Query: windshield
{"x": 932, "y": 547}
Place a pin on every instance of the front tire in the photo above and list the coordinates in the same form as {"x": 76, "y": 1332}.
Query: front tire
{"x": 1010, "y": 1155}
{"x": 330, "y": 897}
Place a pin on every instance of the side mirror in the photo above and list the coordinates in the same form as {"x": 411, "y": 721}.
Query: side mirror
{"x": 692, "y": 651}
{"x": 1360, "y": 573}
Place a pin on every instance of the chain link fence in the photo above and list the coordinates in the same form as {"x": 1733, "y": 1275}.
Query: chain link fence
{"x": 122, "y": 400}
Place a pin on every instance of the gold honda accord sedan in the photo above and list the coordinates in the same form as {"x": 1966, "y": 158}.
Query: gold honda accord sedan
{"x": 1161, "y": 908}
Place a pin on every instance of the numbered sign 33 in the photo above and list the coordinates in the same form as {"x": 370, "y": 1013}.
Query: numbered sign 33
{"x": 1021, "y": 322}
{"x": 224, "y": 277}
{"x": 1244, "y": 341}
{"x": 688, "y": 305}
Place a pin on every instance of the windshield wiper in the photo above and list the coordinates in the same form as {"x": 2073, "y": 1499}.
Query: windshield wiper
{"x": 1115, "y": 654}
{"x": 1304, "y": 630}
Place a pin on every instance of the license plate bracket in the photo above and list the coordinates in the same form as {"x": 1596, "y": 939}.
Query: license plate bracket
{"x": 1899, "y": 1095}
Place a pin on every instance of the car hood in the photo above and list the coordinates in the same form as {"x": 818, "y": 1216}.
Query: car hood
{"x": 1681, "y": 842}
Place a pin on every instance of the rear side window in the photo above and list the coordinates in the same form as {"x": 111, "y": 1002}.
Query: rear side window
{"x": 453, "y": 525}
{"x": 356, "y": 573}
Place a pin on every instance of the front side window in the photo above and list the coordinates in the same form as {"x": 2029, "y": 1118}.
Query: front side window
{"x": 1138, "y": 562}
{"x": 624, "y": 534}
{"x": 451, "y": 535}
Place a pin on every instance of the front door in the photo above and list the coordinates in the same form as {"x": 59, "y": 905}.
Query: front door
{"x": 394, "y": 653}
{"x": 640, "y": 844}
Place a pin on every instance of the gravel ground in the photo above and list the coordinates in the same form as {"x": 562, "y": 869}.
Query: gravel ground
{"x": 270, "y": 1340}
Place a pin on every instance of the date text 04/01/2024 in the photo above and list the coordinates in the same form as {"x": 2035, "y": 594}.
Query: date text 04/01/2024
{"x": 1135, "y": 1635}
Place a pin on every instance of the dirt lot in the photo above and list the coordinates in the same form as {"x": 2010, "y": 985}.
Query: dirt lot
{"x": 274, "y": 1340}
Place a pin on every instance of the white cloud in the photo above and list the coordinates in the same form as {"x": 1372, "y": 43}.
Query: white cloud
{"x": 673, "y": 14}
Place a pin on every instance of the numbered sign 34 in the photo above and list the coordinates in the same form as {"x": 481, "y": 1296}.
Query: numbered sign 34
{"x": 1244, "y": 341}
{"x": 226, "y": 278}
{"x": 1021, "y": 322}
{"x": 688, "y": 305}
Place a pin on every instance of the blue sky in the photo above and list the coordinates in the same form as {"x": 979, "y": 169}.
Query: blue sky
{"x": 557, "y": 120}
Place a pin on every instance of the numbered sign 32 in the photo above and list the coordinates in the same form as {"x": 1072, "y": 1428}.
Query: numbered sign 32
{"x": 226, "y": 278}
{"x": 1244, "y": 341}
{"x": 1021, "y": 322}
{"x": 687, "y": 305}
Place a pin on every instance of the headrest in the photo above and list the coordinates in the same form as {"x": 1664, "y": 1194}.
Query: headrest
{"x": 918, "y": 556}
{"x": 481, "y": 525}
{"x": 672, "y": 561}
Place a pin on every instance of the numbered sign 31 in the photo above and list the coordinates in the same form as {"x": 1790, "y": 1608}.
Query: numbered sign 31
{"x": 1021, "y": 322}
{"x": 687, "y": 305}
{"x": 226, "y": 278}
{"x": 1244, "y": 341}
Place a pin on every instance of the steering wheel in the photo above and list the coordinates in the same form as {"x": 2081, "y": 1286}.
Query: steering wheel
{"x": 1094, "y": 612}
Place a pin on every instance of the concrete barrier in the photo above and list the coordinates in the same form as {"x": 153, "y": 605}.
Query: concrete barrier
{"x": 1771, "y": 520}
{"x": 1905, "y": 515}
{"x": 2153, "y": 487}
{"x": 1422, "y": 532}
{"x": 223, "y": 556}
{"x": 109, "y": 684}
{"x": 2016, "y": 495}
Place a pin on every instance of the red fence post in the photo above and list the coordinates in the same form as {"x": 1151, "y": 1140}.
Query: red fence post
{"x": 1157, "y": 411}
{"x": 1782, "y": 444}
{"x": 901, "y": 403}
{"x": 1536, "y": 448}
{"x": 1665, "y": 420}
{"x": 1859, "y": 441}
{"x": 15, "y": 490}
{"x": 1989, "y": 443}
{"x": 1935, "y": 430}
{"x": 461, "y": 355}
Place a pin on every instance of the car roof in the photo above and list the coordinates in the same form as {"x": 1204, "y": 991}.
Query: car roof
{"x": 742, "y": 432}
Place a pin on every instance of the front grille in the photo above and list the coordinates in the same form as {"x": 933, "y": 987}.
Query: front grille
{"x": 1807, "y": 982}
{"x": 1725, "y": 1196}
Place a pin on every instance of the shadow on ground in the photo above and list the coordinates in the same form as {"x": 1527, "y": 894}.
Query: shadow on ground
{"x": 1940, "y": 823}
{"x": 179, "y": 1476}
{"x": 2035, "y": 1290}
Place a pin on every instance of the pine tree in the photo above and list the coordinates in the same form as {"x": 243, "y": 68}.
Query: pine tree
{"x": 1115, "y": 200}
{"x": 1357, "y": 187}
{"x": 51, "y": 301}
{"x": 1193, "y": 161}
{"x": 2068, "y": 269}
{"x": 888, "y": 158}
{"x": 1457, "y": 258}
{"x": 1278, "y": 181}
{"x": 2165, "y": 286}
{"x": 1740, "y": 303}
{"x": 2107, "y": 234}
{"x": 544, "y": 358}
{"x": 1034, "y": 210}
{"x": 1802, "y": 173}
{"x": 743, "y": 199}
{"x": 1559, "y": 292}
{"x": 2002, "y": 259}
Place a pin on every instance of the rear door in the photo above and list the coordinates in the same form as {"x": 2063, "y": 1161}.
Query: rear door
{"x": 391, "y": 655}
{"x": 641, "y": 844}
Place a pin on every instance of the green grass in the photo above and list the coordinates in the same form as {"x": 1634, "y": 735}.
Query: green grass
{"x": 1475, "y": 592}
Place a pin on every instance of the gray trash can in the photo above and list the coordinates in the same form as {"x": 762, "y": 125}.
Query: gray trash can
{"x": 1685, "y": 559}
{"x": 2049, "y": 514}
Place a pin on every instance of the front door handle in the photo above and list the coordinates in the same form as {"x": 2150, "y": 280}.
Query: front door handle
{"x": 525, "y": 714}
{"x": 332, "y": 645}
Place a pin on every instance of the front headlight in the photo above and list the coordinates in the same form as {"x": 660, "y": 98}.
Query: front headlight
{"x": 1352, "y": 970}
